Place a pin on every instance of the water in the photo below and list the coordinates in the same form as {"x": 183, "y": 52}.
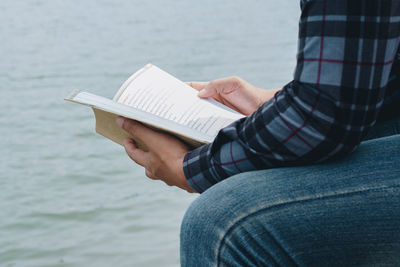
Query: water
{"x": 69, "y": 197}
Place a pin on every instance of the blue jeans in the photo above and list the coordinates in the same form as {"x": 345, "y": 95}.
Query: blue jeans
{"x": 341, "y": 213}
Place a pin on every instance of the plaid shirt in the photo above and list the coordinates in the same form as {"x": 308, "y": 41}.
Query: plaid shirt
{"x": 346, "y": 58}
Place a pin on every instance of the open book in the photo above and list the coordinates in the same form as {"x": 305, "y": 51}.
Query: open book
{"x": 162, "y": 102}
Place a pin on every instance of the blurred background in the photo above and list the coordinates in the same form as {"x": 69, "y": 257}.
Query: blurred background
{"x": 69, "y": 197}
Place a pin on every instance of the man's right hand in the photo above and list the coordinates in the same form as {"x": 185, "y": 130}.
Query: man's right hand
{"x": 235, "y": 93}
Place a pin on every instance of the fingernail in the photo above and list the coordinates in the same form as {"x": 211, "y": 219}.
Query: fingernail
{"x": 120, "y": 121}
{"x": 202, "y": 91}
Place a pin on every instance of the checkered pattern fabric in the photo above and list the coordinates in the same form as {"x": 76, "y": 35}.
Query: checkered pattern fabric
{"x": 347, "y": 49}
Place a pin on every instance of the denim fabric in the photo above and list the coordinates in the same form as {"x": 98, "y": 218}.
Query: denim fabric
{"x": 341, "y": 213}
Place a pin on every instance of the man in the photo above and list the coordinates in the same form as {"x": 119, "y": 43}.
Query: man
{"x": 295, "y": 210}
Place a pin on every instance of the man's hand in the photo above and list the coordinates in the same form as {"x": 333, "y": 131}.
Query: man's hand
{"x": 235, "y": 93}
{"x": 165, "y": 157}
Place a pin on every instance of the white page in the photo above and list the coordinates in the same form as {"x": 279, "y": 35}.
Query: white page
{"x": 157, "y": 92}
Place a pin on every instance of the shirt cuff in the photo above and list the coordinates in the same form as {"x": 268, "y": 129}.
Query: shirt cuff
{"x": 194, "y": 164}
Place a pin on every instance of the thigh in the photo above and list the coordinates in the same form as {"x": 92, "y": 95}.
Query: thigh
{"x": 344, "y": 212}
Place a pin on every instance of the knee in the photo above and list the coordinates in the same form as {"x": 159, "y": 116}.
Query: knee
{"x": 209, "y": 218}
{"x": 199, "y": 232}
{"x": 218, "y": 229}
{"x": 222, "y": 225}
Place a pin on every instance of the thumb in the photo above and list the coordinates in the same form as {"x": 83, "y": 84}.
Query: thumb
{"x": 207, "y": 91}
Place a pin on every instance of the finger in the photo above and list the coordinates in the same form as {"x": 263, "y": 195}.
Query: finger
{"x": 150, "y": 175}
{"x": 208, "y": 91}
{"x": 137, "y": 155}
{"x": 222, "y": 86}
{"x": 149, "y": 137}
{"x": 197, "y": 85}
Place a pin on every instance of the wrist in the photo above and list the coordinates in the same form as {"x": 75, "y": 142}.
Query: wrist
{"x": 267, "y": 94}
{"x": 187, "y": 187}
{"x": 183, "y": 183}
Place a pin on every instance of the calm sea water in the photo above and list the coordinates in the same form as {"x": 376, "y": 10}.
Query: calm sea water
{"x": 69, "y": 197}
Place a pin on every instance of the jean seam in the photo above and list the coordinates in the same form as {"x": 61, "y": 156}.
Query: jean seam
{"x": 272, "y": 257}
{"x": 327, "y": 196}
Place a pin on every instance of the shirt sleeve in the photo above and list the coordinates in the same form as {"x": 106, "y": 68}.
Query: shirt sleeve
{"x": 345, "y": 55}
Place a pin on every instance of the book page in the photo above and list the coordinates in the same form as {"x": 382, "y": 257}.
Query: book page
{"x": 107, "y": 110}
{"x": 157, "y": 92}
